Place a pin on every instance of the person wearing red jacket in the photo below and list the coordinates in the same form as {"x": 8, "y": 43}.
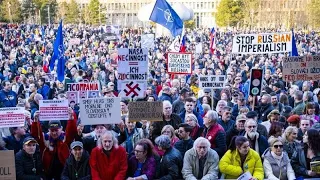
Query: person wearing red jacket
{"x": 108, "y": 161}
{"x": 54, "y": 145}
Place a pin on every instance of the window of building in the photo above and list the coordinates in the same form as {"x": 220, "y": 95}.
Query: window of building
{"x": 213, "y": 5}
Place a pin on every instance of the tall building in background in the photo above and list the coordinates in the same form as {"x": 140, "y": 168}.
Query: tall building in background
{"x": 124, "y": 12}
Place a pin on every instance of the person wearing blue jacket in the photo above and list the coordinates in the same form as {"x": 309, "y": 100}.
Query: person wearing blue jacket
{"x": 43, "y": 88}
{"x": 189, "y": 108}
{"x": 8, "y": 98}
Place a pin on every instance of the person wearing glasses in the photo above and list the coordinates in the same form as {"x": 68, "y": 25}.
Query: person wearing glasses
{"x": 276, "y": 162}
{"x": 185, "y": 143}
{"x": 310, "y": 152}
{"x": 200, "y": 162}
{"x": 142, "y": 165}
{"x": 239, "y": 159}
{"x": 257, "y": 142}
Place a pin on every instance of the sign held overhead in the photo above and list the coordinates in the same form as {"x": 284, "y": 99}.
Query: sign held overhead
{"x": 179, "y": 63}
{"x": 212, "y": 82}
{"x": 143, "y": 110}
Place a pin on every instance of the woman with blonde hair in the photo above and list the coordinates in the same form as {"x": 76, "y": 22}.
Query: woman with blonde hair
{"x": 169, "y": 131}
{"x": 290, "y": 143}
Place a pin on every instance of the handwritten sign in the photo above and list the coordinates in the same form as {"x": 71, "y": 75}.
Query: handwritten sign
{"x": 303, "y": 68}
{"x": 81, "y": 90}
{"x": 12, "y": 117}
{"x": 53, "y": 110}
{"x": 142, "y": 110}
{"x": 179, "y": 63}
{"x": 100, "y": 111}
{"x": 7, "y": 165}
{"x": 262, "y": 43}
{"x": 212, "y": 82}
{"x": 132, "y": 67}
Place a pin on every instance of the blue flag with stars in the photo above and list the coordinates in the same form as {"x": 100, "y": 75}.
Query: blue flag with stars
{"x": 58, "y": 54}
{"x": 164, "y": 15}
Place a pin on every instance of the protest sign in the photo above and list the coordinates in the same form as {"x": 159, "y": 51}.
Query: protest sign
{"x": 303, "y": 68}
{"x": 132, "y": 72}
{"x": 53, "y": 110}
{"x": 81, "y": 90}
{"x": 12, "y": 117}
{"x": 212, "y": 82}
{"x": 199, "y": 48}
{"x": 50, "y": 77}
{"x": 315, "y": 166}
{"x": 179, "y": 63}
{"x": 100, "y": 111}
{"x": 7, "y": 165}
{"x": 74, "y": 41}
{"x": 147, "y": 41}
{"x": 245, "y": 176}
{"x": 262, "y": 43}
{"x": 115, "y": 29}
{"x": 143, "y": 110}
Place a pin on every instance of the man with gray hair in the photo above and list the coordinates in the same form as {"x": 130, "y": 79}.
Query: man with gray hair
{"x": 200, "y": 162}
{"x": 171, "y": 161}
{"x": 166, "y": 94}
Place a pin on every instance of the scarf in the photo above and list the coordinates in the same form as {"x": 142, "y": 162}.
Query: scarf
{"x": 256, "y": 144}
{"x": 277, "y": 158}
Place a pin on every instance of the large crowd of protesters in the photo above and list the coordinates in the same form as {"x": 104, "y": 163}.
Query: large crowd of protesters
{"x": 204, "y": 134}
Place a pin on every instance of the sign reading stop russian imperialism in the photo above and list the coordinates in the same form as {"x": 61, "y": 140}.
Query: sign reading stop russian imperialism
{"x": 262, "y": 43}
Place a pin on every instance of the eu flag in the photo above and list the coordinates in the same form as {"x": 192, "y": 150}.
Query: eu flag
{"x": 163, "y": 14}
{"x": 58, "y": 54}
{"x": 294, "y": 46}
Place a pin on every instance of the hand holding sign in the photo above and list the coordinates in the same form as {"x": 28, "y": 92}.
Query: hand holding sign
{"x": 70, "y": 111}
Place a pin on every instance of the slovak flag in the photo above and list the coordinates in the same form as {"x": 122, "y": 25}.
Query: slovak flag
{"x": 183, "y": 44}
{"x": 212, "y": 40}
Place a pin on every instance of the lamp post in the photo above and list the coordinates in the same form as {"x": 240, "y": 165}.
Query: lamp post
{"x": 9, "y": 9}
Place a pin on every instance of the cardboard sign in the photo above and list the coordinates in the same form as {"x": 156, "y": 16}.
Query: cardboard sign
{"x": 262, "y": 43}
{"x": 7, "y": 165}
{"x": 212, "y": 82}
{"x": 53, "y": 110}
{"x": 82, "y": 90}
{"x": 147, "y": 41}
{"x": 132, "y": 72}
{"x": 303, "y": 68}
{"x": 12, "y": 117}
{"x": 315, "y": 166}
{"x": 143, "y": 110}
{"x": 100, "y": 111}
{"x": 179, "y": 63}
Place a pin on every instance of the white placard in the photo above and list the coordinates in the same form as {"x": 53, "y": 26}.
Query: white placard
{"x": 132, "y": 72}
{"x": 100, "y": 111}
{"x": 262, "y": 43}
{"x": 179, "y": 63}
{"x": 147, "y": 41}
{"x": 53, "y": 110}
{"x": 82, "y": 90}
{"x": 245, "y": 176}
{"x": 74, "y": 41}
{"x": 12, "y": 117}
{"x": 212, "y": 82}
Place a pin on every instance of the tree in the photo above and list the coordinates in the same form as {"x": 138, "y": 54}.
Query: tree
{"x": 10, "y": 11}
{"x": 51, "y": 6}
{"x": 229, "y": 13}
{"x": 72, "y": 15}
{"x": 314, "y": 13}
{"x": 93, "y": 8}
{"x": 190, "y": 24}
{"x": 63, "y": 9}
{"x": 250, "y": 11}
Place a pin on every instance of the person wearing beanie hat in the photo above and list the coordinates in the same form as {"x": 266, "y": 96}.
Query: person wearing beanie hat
{"x": 54, "y": 146}
{"x": 294, "y": 120}
{"x": 77, "y": 165}
{"x": 273, "y": 116}
{"x": 275, "y": 156}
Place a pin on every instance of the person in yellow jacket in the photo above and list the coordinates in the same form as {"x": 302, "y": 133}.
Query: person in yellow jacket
{"x": 239, "y": 159}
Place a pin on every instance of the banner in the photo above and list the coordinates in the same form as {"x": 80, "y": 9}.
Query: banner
{"x": 12, "y": 117}
{"x": 262, "y": 43}
{"x": 115, "y": 29}
{"x": 143, "y": 110}
{"x": 147, "y": 41}
{"x": 7, "y": 165}
{"x": 303, "y": 68}
{"x": 132, "y": 72}
{"x": 82, "y": 90}
{"x": 100, "y": 111}
{"x": 179, "y": 63}
{"x": 53, "y": 110}
{"x": 212, "y": 82}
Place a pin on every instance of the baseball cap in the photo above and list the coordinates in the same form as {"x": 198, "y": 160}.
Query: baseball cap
{"x": 29, "y": 139}
{"x": 76, "y": 144}
{"x": 273, "y": 112}
{"x": 241, "y": 117}
{"x": 54, "y": 124}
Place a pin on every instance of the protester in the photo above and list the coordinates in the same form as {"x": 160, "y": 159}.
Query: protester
{"x": 239, "y": 159}
{"x": 178, "y": 105}
{"x": 276, "y": 162}
{"x": 273, "y": 116}
{"x": 108, "y": 160}
{"x": 192, "y": 121}
{"x": 189, "y": 108}
{"x": 143, "y": 164}
{"x": 170, "y": 132}
{"x": 290, "y": 144}
{"x": 200, "y": 162}
{"x": 15, "y": 141}
{"x": 171, "y": 161}
{"x": 77, "y": 165}
{"x": 28, "y": 161}
{"x": 90, "y": 141}
{"x": 8, "y": 98}
{"x": 185, "y": 143}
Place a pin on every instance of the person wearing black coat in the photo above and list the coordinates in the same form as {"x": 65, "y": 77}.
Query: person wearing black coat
{"x": 77, "y": 165}
{"x": 265, "y": 107}
{"x": 185, "y": 143}
{"x": 28, "y": 161}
